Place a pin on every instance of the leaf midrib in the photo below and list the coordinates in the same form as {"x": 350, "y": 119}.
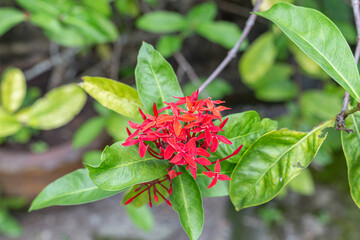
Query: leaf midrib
{"x": 135, "y": 162}
{"x": 319, "y": 53}
{"x": 186, "y": 204}
{"x": 277, "y": 160}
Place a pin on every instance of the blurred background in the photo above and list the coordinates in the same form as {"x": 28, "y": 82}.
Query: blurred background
{"x": 50, "y": 129}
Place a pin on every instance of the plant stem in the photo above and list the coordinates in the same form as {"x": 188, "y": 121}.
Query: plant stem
{"x": 340, "y": 118}
{"x": 232, "y": 53}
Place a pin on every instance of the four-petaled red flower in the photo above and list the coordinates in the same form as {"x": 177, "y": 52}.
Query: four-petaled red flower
{"x": 184, "y": 138}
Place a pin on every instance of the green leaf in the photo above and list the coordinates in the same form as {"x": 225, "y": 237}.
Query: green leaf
{"x": 350, "y": 144}
{"x": 71, "y": 189}
{"x": 88, "y": 132}
{"x": 279, "y": 72}
{"x": 92, "y": 158}
{"x": 128, "y": 7}
{"x": 8, "y": 225}
{"x": 116, "y": 127}
{"x": 307, "y": 65}
{"x": 161, "y": 22}
{"x": 277, "y": 91}
{"x": 258, "y": 59}
{"x": 9, "y": 125}
{"x": 242, "y": 129}
{"x": 272, "y": 162}
{"x": 143, "y": 198}
{"x": 156, "y": 81}
{"x": 13, "y": 89}
{"x": 40, "y": 6}
{"x": 224, "y": 33}
{"x": 319, "y": 105}
{"x": 303, "y": 183}
{"x": 186, "y": 200}
{"x": 221, "y": 188}
{"x": 324, "y": 43}
{"x": 141, "y": 217}
{"x": 100, "y": 6}
{"x": 10, "y": 17}
{"x": 122, "y": 167}
{"x": 114, "y": 95}
{"x": 168, "y": 45}
{"x": 205, "y": 12}
{"x": 57, "y": 107}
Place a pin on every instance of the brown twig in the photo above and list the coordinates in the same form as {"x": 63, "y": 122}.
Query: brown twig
{"x": 340, "y": 118}
{"x": 232, "y": 53}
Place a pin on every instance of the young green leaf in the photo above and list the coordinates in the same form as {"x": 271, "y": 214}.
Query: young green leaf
{"x": 114, "y": 95}
{"x": 13, "y": 89}
{"x": 57, "y": 107}
{"x": 271, "y": 163}
{"x": 155, "y": 79}
{"x": 168, "y": 45}
{"x": 161, "y": 22}
{"x": 186, "y": 200}
{"x": 324, "y": 43}
{"x": 224, "y": 33}
{"x": 258, "y": 59}
{"x": 88, "y": 132}
{"x": 350, "y": 144}
{"x": 242, "y": 129}
{"x": 9, "y": 125}
{"x": 141, "y": 217}
{"x": 122, "y": 167}
{"x": 71, "y": 189}
{"x": 9, "y": 17}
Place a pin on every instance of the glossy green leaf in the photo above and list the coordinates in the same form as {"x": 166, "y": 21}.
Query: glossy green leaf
{"x": 156, "y": 81}
{"x": 277, "y": 91}
{"x": 200, "y": 13}
{"x": 13, "y": 89}
{"x": 324, "y": 43}
{"x": 168, "y": 45}
{"x": 350, "y": 144}
{"x": 161, "y": 22}
{"x": 221, "y": 188}
{"x": 303, "y": 183}
{"x": 186, "y": 200}
{"x": 271, "y": 163}
{"x": 122, "y": 167}
{"x": 57, "y": 107}
{"x": 141, "y": 217}
{"x": 88, "y": 132}
{"x": 9, "y": 125}
{"x": 71, "y": 189}
{"x": 224, "y": 33}
{"x": 114, "y": 95}
{"x": 242, "y": 129}
{"x": 8, "y": 225}
{"x": 258, "y": 59}
{"x": 10, "y": 17}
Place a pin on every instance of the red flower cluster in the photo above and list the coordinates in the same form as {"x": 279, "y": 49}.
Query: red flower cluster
{"x": 182, "y": 138}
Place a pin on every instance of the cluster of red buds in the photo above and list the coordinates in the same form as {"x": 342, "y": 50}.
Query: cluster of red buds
{"x": 182, "y": 138}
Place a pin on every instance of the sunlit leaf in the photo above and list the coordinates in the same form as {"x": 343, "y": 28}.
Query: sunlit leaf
{"x": 13, "y": 89}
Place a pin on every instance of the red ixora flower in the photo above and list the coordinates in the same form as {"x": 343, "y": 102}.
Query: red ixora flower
{"x": 184, "y": 138}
